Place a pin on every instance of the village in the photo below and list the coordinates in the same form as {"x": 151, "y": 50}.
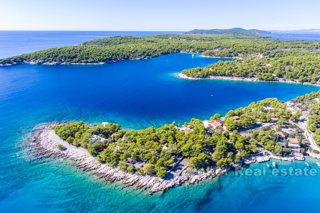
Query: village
{"x": 292, "y": 135}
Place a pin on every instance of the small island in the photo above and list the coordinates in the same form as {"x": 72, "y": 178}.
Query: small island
{"x": 157, "y": 159}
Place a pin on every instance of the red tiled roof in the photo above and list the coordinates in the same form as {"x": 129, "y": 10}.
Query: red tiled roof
{"x": 281, "y": 134}
{"x": 216, "y": 124}
{"x": 293, "y": 140}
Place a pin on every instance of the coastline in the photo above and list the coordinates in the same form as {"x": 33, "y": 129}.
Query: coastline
{"x": 226, "y": 78}
{"x": 55, "y": 63}
{"x": 43, "y": 141}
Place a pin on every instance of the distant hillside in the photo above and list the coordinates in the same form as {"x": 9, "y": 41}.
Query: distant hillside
{"x": 229, "y": 31}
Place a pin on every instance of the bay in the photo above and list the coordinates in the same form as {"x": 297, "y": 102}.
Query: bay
{"x": 136, "y": 94}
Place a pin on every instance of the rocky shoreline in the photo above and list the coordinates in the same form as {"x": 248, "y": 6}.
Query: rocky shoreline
{"x": 50, "y": 63}
{"x": 43, "y": 141}
{"x": 54, "y": 63}
{"x": 183, "y": 76}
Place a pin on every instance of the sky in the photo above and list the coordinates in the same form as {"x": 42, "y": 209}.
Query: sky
{"x": 158, "y": 15}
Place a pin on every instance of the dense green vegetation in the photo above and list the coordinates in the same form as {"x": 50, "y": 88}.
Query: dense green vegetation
{"x": 311, "y": 103}
{"x": 260, "y": 112}
{"x": 258, "y": 57}
{"x": 117, "y": 48}
{"x": 154, "y": 151}
{"x": 268, "y": 139}
{"x": 296, "y": 65}
{"x": 314, "y": 120}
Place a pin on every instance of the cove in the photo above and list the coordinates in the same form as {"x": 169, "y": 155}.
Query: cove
{"x": 136, "y": 94}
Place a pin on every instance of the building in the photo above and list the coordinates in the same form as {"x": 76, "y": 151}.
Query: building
{"x": 96, "y": 138}
{"x": 186, "y": 129}
{"x": 281, "y": 134}
{"x": 274, "y": 118}
{"x": 236, "y": 118}
{"x": 293, "y": 143}
{"x": 215, "y": 124}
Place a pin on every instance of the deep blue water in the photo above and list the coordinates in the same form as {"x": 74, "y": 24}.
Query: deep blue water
{"x": 136, "y": 94}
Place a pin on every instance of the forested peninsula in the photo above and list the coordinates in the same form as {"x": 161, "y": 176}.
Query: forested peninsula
{"x": 160, "y": 158}
{"x": 113, "y": 49}
{"x": 256, "y": 57}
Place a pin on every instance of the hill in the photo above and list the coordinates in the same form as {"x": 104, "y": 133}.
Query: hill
{"x": 229, "y": 31}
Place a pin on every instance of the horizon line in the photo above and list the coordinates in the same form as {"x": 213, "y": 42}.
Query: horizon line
{"x": 102, "y": 30}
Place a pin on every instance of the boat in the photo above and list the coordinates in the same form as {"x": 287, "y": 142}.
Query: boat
{"x": 268, "y": 166}
{"x": 307, "y": 164}
{"x": 274, "y": 164}
{"x": 318, "y": 164}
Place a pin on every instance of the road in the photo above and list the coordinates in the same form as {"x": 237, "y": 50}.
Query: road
{"x": 313, "y": 144}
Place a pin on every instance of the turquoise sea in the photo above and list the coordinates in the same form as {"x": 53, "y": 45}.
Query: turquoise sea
{"x": 136, "y": 94}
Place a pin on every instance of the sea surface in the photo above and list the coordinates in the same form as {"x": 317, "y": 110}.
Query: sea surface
{"x": 295, "y": 36}
{"x": 19, "y": 42}
{"x": 136, "y": 94}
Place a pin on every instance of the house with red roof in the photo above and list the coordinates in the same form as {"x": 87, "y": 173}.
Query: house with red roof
{"x": 281, "y": 134}
{"x": 293, "y": 142}
{"x": 215, "y": 124}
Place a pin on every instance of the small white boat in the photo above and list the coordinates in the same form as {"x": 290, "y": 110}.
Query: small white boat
{"x": 192, "y": 55}
{"x": 318, "y": 164}
{"x": 268, "y": 166}
{"x": 307, "y": 164}
{"x": 274, "y": 164}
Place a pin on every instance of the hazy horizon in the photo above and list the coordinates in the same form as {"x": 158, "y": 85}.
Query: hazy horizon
{"x": 165, "y": 15}
{"x": 176, "y": 31}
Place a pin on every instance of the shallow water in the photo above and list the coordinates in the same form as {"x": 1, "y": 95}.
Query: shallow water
{"x": 136, "y": 94}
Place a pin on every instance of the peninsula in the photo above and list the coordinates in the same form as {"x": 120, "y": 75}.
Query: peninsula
{"x": 256, "y": 57}
{"x": 156, "y": 159}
